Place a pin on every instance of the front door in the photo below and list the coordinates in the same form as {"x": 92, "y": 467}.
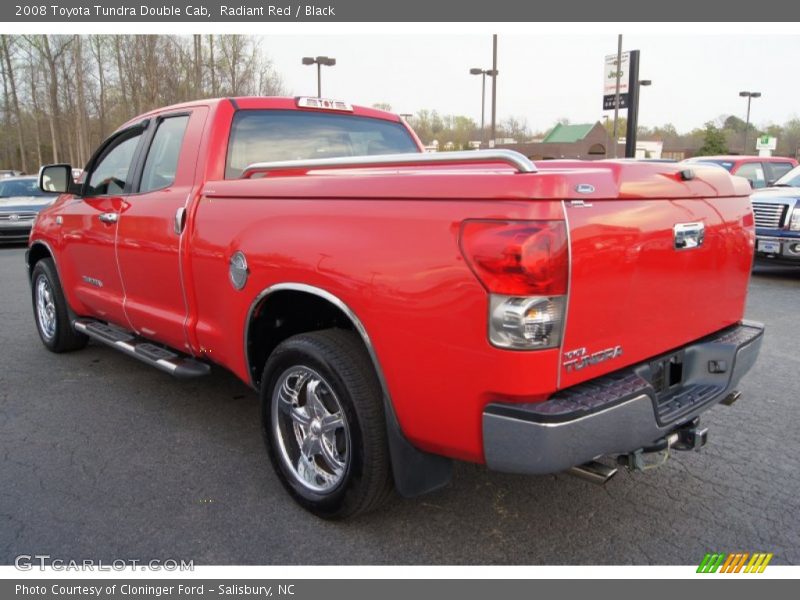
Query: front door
{"x": 89, "y": 229}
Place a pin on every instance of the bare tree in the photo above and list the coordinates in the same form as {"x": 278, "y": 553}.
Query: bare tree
{"x": 14, "y": 101}
{"x": 63, "y": 94}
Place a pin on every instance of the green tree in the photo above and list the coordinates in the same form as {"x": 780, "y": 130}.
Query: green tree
{"x": 622, "y": 126}
{"x": 713, "y": 141}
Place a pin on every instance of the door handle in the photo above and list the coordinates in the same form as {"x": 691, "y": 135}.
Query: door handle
{"x": 109, "y": 217}
{"x": 689, "y": 235}
{"x": 180, "y": 220}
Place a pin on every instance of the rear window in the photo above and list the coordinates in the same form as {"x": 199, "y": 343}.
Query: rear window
{"x": 269, "y": 135}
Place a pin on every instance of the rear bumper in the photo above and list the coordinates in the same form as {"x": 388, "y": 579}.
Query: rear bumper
{"x": 620, "y": 412}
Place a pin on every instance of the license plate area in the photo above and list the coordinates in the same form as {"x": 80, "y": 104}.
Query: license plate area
{"x": 769, "y": 246}
{"x": 674, "y": 397}
{"x": 667, "y": 374}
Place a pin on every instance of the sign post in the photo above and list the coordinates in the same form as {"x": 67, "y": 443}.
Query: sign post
{"x": 615, "y": 87}
{"x": 633, "y": 105}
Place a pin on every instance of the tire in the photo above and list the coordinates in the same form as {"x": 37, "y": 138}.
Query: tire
{"x": 50, "y": 310}
{"x": 324, "y": 426}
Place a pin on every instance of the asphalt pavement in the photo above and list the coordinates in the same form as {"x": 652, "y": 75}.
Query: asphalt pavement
{"x": 103, "y": 457}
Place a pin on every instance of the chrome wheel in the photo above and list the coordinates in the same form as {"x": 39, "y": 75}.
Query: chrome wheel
{"x": 310, "y": 428}
{"x": 45, "y": 308}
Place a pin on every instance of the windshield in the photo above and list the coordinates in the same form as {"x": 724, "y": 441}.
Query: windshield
{"x": 270, "y": 135}
{"x": 791, "y": 179}
{"x": 10, "y": 188}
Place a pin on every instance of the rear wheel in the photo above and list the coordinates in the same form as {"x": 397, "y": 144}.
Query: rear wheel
{"x": 50, "y": 310}
{"x": 323, "y": 420}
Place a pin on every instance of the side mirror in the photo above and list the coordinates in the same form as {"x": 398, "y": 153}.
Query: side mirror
{"x": 58, "y": 178}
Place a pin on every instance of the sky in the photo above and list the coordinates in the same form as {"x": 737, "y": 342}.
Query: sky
{"x": 543, "y": 78}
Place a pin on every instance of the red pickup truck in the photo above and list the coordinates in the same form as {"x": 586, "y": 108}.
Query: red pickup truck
{"x": 397, "y": 310}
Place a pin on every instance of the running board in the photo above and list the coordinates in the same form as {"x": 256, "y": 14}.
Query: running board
{"x": 165, "y": 359}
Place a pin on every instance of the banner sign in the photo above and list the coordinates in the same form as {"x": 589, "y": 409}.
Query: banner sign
{"x": 280, "y": 11}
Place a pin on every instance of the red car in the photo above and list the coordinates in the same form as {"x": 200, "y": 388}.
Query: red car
{"x": 395, "y": 309}
{"x": 760, "y": 171}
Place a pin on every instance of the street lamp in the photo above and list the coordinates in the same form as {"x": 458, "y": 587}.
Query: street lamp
{"x": 319, "y": 61}
{"x": 483, "y": 73}
{"x": 749, "y": 96}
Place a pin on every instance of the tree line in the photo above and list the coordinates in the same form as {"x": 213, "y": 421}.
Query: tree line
{"x": 725, "y": 135}
{"x": 63, "y": 94}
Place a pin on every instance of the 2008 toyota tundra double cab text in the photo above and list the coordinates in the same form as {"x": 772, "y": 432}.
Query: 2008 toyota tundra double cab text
{"x": 395, "y": 309}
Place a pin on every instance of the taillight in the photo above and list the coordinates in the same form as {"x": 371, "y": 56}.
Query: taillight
{"x": 518, "y": 258}
{"x": 525, "y": 267}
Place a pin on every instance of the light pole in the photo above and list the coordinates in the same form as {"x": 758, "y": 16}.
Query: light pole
{"x": 633, "y": 106}
{"x": 483, "y": 73}
{"x": 494, "y": 89}
{"x": 749, "y": 96}
{"x": 319, "y": 61}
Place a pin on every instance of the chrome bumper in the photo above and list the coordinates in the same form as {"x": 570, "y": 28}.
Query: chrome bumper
{"x": 788, "y": 248}
{"x": 620, "y": 412}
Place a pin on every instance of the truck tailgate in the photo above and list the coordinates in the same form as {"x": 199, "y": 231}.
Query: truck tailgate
{"x": 635, "y": 294}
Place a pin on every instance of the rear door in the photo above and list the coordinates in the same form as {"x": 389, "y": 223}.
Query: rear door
{"x": 89, "y": 227}
{"x": 152, "y": 222}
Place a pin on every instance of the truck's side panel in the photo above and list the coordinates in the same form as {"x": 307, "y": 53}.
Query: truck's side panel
{"x": 397, "y": 265}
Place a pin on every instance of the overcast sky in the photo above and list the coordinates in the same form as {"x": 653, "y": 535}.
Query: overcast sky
{"x": 544, "y": 78}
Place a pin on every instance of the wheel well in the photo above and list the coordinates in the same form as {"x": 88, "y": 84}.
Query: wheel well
{"x": 283, "y": 314}
{"x": 36, "y": 253}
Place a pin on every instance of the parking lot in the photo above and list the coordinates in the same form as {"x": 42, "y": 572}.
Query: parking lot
{"x": 105, "y": 458}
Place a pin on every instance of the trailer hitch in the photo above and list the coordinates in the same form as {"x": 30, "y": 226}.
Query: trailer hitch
{"x": 689, "y": 436}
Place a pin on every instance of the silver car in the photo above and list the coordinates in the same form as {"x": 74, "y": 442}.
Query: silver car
{"x": 20, "y": 202}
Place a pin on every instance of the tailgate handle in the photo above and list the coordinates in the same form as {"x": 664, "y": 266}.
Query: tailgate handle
{"x": 689, "y": 235}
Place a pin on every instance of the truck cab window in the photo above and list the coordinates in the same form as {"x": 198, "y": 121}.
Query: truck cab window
{"x": 162, "y": 158}
{"x": 110, "y": 174}
{"x": 269, "y": 135}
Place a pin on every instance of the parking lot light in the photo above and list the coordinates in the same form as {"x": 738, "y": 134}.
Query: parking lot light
{"x": 319, "y": 61}
{"x": 749, "y": 96}
{"x": 483, "y": 73}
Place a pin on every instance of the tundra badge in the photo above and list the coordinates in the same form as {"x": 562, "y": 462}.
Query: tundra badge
{"x": 575, "y": 360}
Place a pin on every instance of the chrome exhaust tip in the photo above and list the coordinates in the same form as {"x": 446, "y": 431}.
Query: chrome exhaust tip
{"x": 731, "y": 398}
{"x": 593, "y": 472}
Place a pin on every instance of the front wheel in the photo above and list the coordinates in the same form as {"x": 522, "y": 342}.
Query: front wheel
{"x": 50, "y": 310}
{"x": 324, "y": 424}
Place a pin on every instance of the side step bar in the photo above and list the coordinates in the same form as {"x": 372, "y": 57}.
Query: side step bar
{"x": 169, "y": 361}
